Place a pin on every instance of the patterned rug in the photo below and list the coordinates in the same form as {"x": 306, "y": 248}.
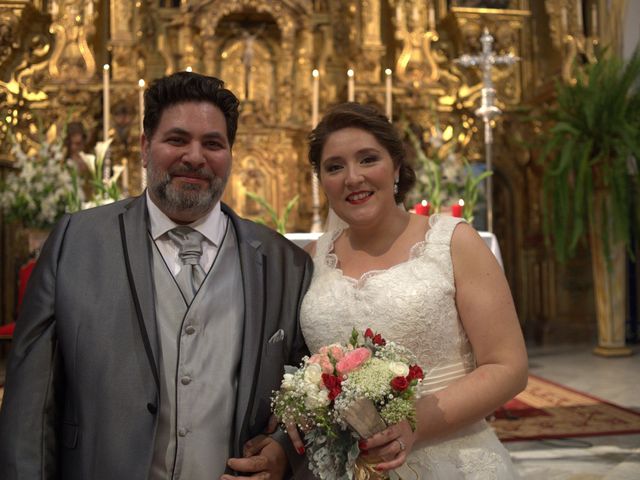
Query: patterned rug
{"x": 549, "y": 410}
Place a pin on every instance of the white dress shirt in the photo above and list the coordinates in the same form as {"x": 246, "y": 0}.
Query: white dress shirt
{"x": 212, "y": 226}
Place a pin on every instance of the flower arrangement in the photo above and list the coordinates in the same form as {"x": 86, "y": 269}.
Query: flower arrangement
{"x": 345, "y": 392}
{"x": 104, "y": 186}
{"x": 444, "y": 175}
{"x": 42, "y": 188}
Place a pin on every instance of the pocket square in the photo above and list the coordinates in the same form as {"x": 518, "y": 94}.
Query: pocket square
{"x": 277, "y": 337}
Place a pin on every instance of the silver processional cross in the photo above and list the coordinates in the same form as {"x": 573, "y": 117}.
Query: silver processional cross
{"x": 487, "y": 110}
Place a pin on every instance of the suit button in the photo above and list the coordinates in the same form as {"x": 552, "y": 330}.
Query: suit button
{"x": 190, "y": 330}
{"x": 182, "y": 432}
{"x": 186, "y": 380}
{"x": 152, "y": 408}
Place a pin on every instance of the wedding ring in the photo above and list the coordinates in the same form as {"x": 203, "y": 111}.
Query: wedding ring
{"x": 401, "y": 443}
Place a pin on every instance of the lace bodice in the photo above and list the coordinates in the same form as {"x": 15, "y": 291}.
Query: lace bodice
{"x": 411, "y": 303}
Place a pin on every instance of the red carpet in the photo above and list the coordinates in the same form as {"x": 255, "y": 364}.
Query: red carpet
{"x": 549, "y": 410}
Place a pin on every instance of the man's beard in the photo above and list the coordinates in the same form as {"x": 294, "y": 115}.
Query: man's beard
{"x": 185, "y": 197}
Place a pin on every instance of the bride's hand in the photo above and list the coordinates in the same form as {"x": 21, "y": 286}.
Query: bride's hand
{"x": 392, "y": 445}
{"x": 294, "y": 435}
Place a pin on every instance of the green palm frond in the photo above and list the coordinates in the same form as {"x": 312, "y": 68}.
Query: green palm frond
{"x": 595, "y": 131}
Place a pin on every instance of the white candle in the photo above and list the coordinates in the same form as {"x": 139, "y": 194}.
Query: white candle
{"x": 579, "y": 14}
{"x": 351, "y": 90}
{"x": 315, "y": 105}
{"x": 141, "y": 104}
{"x": 432, "y": 18}
{"x": 563, "y": 17}
{"x": 143, "y": 171}
{"x": 105, "y": 101}
{"x": 594, "y": 20}
{"x": 387, "y": 95}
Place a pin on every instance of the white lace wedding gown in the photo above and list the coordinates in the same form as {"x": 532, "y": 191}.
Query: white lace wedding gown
{"x": 412, "y": 304}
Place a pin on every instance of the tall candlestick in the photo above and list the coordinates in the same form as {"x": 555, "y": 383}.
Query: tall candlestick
{"x": 387, "y": 95}
{"x": 143, "y": 171}
{"x": 432, "y": 18}
{"x": 579, "y": 15}
{"x": 594, "y": 20}
{"x": 563, "y": 18}
{"x": 105, "y": 102}
{"x": 141, "y": 104}
{"x": 315, "y": 105}
{"x": 351, "y": 88}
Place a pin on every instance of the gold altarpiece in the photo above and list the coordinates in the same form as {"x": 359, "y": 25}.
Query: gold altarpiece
{"x": 51, "y": 53}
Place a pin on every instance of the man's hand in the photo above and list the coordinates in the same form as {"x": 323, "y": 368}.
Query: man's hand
{"x": 264, "y": 458}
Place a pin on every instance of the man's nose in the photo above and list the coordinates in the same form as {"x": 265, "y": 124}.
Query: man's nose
{"x": 193, "y": 154}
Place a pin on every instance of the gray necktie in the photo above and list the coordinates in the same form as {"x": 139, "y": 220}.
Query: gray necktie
{"x": 191, "y": 274}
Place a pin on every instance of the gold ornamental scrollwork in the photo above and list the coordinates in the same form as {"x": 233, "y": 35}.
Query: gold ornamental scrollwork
{"x": 72, "y": 58}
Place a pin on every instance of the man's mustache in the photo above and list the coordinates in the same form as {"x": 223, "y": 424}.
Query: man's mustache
{"x": 192, "y": 172}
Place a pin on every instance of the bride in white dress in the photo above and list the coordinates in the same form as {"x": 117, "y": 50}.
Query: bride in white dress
{"x": 430, "y": 284}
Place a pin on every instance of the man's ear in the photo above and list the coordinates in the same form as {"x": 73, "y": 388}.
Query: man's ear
{"x": 144, "y": 147}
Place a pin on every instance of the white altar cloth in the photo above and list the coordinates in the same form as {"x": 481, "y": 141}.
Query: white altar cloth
{"x": 301, "y": 239}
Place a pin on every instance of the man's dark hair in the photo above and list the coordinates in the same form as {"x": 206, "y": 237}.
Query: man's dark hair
{"x": 183, "y": 87}
{"x": 369, "y": 119}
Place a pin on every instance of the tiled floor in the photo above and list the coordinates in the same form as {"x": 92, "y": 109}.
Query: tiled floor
{"x": 615, "y": 457}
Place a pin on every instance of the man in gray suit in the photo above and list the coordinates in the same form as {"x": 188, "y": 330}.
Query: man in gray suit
{"x": 155, "y": 328}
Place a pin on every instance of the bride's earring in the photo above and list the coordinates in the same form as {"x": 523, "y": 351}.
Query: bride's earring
{"x": 395, "y": 186}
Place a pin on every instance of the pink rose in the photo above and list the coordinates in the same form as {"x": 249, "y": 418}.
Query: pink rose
{"x": 335, "y": 350}
{"x": 353, "y": 360}
{"x": 323, "y": 361}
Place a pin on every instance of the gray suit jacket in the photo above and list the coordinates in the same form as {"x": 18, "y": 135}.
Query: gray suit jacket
{"x": 82, "y": 389}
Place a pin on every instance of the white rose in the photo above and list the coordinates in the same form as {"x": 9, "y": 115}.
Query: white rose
{"x": 317, "y": 399}
{"x": 399, "y": 369}
{"x": 313, "y": 373}
{"x": 287, "y": 381}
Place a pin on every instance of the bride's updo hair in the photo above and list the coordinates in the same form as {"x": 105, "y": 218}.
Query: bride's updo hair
{"x": 369, "y": 119}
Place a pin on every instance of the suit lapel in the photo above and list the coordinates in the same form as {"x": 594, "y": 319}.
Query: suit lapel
{"x": 134, "y": 223}
{"x": 252, "y": 264}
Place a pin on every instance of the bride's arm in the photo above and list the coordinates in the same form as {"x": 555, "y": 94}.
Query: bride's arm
{"x": 489, "y": 318}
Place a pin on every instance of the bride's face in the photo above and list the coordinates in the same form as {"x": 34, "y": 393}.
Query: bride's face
{"x": 357, "y": 175}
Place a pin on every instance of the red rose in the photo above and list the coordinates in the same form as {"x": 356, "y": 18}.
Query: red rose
{"x": 334, "y": 392}
{"x": 415, "y": 372}
{"x": 399, "y": 384}
{"x": 333, "y": 384}
{"x": 368, "y": 333}
{"x": 378, "y": 340}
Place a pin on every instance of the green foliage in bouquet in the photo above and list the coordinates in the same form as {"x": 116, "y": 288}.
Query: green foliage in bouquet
{"x": 591, "y": 153}
{"x": 41, "y": 189}
{"x": 279, "y": 221}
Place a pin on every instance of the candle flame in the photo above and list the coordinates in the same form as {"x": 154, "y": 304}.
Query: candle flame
{"x": 387, "y": 71}
{"x": 461, "y": 202}
{"x": 105, "y": 66}
{"x": 141, "y": 83}
{"x": 189, "y": 69}
{"x": 315, "y": 73}
{"x": 424, "y": 203}
{"x": 350, "y": 73}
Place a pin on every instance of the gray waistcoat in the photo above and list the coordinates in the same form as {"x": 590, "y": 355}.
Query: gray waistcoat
{"x": 200, "y": 349}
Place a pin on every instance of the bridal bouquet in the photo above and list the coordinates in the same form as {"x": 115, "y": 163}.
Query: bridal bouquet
{"x": 345, "y": 392}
